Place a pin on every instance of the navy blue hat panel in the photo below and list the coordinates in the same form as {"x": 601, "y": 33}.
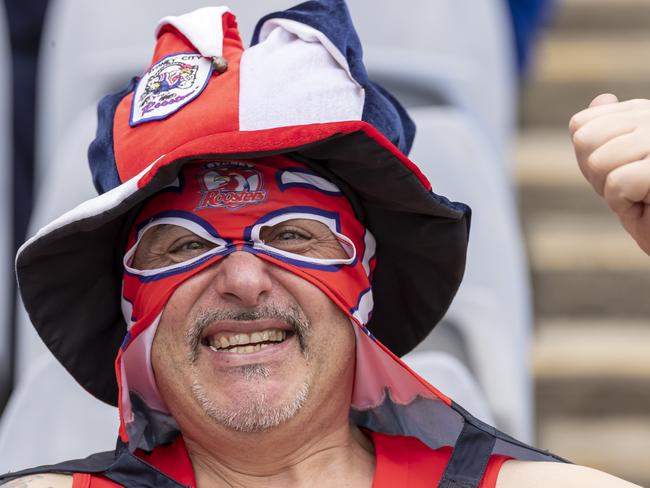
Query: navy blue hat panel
{"x": 101, "y": 153}
{"x": 332, "y": 18}
{"x": 382, "y": 110}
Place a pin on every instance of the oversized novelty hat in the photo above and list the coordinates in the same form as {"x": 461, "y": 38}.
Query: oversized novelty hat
{"x": 301, "y": 91}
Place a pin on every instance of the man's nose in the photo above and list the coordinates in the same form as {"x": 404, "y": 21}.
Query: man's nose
{"x": 243, "y": 278}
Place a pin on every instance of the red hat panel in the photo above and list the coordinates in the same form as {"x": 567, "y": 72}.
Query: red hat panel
{"x": 172, "y": 89}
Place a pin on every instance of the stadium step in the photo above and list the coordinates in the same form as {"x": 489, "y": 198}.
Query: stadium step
{"x": 607, "y": 16}
{"x": 571, "y": 69}
{"x": 607, "y": 349}
{"x": 589, "y": 45}
{"x": 578, "y": 251}
{"x": 617, "y": 445}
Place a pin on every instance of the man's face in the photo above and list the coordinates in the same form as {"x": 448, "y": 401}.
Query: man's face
{"x": 244, "y": 342}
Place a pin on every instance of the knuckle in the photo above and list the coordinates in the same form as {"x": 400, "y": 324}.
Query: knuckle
{"x": 595, "y": 163}
{"x": 614, "y": 185}
{"x": 581, "y": 138}
{"x": 575, "y": 122}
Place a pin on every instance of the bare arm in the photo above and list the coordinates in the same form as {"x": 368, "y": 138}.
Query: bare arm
{"x": 46, "y": 480}
{"x": 526, "y": 474}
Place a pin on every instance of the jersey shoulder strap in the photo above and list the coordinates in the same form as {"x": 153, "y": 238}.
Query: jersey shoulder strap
{"x": 407, "y": 461}
{"x": 119, "y": 466}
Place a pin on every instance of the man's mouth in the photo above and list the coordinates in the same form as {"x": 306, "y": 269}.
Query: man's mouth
{"x": 246, "y": 343}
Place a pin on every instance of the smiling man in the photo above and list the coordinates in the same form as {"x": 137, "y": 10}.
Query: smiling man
{"x": 261, "y": 251}
{"x": 244, "y": 345}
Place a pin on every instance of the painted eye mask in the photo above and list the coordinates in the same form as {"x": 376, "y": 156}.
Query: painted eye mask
{"x": 168, "y": 243}
{"x": 276, "y": 209}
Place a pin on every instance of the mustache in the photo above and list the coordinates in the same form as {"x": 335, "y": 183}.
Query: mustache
{"x": 291, "y": 315}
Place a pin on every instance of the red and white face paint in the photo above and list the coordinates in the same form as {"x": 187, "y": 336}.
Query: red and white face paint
{"x": 227, "y": 205}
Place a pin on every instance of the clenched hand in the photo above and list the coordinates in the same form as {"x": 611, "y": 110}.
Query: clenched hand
{"x": 612, "y": 144}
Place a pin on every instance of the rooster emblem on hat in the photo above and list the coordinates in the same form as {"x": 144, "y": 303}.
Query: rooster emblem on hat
{"x": 170, "y": 77}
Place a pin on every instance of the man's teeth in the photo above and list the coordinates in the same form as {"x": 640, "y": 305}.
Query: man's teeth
{"x": 246, "y": 343}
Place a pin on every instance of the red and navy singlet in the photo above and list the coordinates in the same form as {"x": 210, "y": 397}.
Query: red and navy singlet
{"x": 400, "y": 461}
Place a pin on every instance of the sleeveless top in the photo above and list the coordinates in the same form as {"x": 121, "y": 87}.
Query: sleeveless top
{"x": 400, "y": 461}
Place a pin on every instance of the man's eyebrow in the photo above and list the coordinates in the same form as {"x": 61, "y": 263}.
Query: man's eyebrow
{"x": 156, "y": 232}
{"x": 157, "y": 229}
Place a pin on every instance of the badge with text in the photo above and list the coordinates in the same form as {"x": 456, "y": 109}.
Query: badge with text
{"x": 231, "y": 185}
{"x": 171, "y": 83}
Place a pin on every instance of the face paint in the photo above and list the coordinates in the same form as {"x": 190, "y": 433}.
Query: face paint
{"x": 217, "y": 208}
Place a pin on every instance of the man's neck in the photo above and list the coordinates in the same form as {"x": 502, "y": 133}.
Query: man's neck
{"x": 286, "y": 457}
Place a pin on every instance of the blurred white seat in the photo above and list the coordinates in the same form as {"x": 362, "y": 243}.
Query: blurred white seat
{"x": 50, "y": 418}
{"x": 6, "y": 218}
{"x": 492, "y": 309}
{"x": 452, "y": 378}
{"x": 62, "y": 190}
{"x": 461, "y": 49}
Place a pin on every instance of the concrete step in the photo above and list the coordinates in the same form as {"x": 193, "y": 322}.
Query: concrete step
{"x": 616, "y": 444}
{"x": 548, "y": 176}
{"x": 592, "y": 380}
{"x": 591, "y": 373}
{"x": 544, "y": 157}
{"x": 591, "y": 293}
{"x": 577, "y": 242}
{"x": 580, "y": 200}
{"x": 570, "y": 69}
{"x": 582, "y": 261}
{"x": 610, "y": 349}
{"x": 601, "y": 15}
{"x": 591, "y": 397}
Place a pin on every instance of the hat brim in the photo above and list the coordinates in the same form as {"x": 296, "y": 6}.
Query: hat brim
{"x": 70, "y": 280}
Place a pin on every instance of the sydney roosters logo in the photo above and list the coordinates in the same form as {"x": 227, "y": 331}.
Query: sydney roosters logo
{"x": 170, "y": 84}
{"x": 230, "y": 185}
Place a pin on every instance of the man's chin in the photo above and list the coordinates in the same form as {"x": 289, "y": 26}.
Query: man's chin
{"x": 255, "y": 409}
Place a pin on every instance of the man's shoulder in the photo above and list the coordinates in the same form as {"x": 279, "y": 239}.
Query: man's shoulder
{"x": 42, "y": 480}
{"x": 527, "y": 474}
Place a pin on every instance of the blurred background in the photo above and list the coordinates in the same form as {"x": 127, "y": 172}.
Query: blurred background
{"x": 591, "y": 283}
{"x": 549, "y": 336}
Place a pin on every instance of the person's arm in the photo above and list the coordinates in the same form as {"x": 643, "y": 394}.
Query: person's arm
{"x": 45, "y": 480}
{"x": 612, "y": 144}
{"x": 527, "y": 474}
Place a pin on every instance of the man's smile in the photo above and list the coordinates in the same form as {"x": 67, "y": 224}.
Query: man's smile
{"x": 244, "y": 343}
{"x": 234, "y": 342}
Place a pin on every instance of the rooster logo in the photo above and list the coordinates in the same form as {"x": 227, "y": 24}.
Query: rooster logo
{"x": 171, "y": 76}
{"x": 232, "y": 186}
{"x": 168, "y": 85}
{"x": 226, "y": 182}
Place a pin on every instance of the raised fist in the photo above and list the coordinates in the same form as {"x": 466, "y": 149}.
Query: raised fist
{"x": 612, "y": 144}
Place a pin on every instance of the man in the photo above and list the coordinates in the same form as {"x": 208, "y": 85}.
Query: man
{"x": 269, "y": 244}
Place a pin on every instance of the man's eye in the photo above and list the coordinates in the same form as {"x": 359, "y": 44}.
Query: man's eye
{"x": 194, "y": 245}
{"x": 289, "y": 235}
{"x": 189, "y": 247}
{"x": 167, "y": 244}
